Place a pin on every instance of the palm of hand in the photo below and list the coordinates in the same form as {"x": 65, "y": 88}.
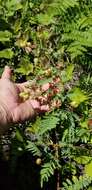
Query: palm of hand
{"x": 16, "y": 109}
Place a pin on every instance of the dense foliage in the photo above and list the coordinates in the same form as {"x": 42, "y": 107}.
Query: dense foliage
{"x": 51, "y": 40}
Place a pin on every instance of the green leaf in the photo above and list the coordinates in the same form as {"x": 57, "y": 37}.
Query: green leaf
{"x": 14, "y": 5}
{"x": 44, "y": 19}
{"x": 77, "y": 96}
{"x": 76, "y": 49}
{"x": 88, "y": 169}
{"x": 33, "y": 148}
{"x": 47, "y": 124}
{"x": 25, "y": 66}
{"x": 19, "y": 136}
{"x": 77, "y": 183}
{"x": 83, "y": 159}
{"x": 17, "y": 27}
{"x": 21, "y": 42}
{"x": 41, "y": 126}
{"x": 90, "y": 188}
{"x": 35, "y": 126}
{"x": 5, "y": 36}
{"x": 67, "y": 74}
{"x": 18, "y": 6}
{"x": 6, "y": 53}
{"x": 85, "y": 21}
{"x": 54, "y": 8}
{"x": 84, "y": 124}
{"x": 47, "y": 171}
{"x": 25, "y": 70}
{"x": 31, "y": 5}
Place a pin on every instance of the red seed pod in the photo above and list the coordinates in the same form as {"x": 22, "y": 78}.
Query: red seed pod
{"x": 39, "y": 78}
{"x": 33, "y": 46}
{"x": 42, "y": 100}
{"x": 51, "y": 85}
{"x": 56, "y": 90}
{"x": 50, "y": 95}
{"x": 60, "y": 65}
{"x": 90, "y": 122}
{"x": 56, "y": 103}
{"x": 56, "y": 79}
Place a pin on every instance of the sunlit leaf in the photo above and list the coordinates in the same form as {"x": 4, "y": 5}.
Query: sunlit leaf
{"x": 25, "y": 66}
{"x": 21, "y": 42}
{"x": 88, "y": 169}
{"x": 44, "y": 19}
{"x": 5, "y": 36}
{"x": 17, "y": 27}
{"x": 83, "y": 159}
{"x": 67, "y": 74}
{"x": 77, "y": 96}
{"x": 25, "y": 70}
{"x": 6, "y": 53}
{"x": 14, "y": 4}
{"x": 84, "y": 124}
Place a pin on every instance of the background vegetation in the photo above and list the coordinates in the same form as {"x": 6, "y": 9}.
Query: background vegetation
{"x": 50, "y": 40}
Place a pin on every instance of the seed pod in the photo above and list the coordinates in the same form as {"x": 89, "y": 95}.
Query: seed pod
{"x": 48, "y": 72}
{"x": 24, "y": 95}
{"x": 38, "y": 161}
{"x": 90, "y": 124}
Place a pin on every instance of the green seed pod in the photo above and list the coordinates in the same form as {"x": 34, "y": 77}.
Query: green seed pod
{"x": 38, "y": 161}
{"x": 24, "y": 95}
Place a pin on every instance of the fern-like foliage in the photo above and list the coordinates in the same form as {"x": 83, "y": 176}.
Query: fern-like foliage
{"x": 77, "y": 34}
{"x": 32, "y": 147}
{"x": 48, "y": 123}
{"x": 80, "y": 41}
{"x": 45, "y": 35}
{"x": 47, "y": 171}
{"x": 82, "y": 183}
{"x": 41, "y": 126}
{"x": 54, "y": 8}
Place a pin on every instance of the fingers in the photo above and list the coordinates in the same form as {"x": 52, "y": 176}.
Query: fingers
{"x": 23, "y": 111}
{"x": 28, "y": 109}
{"x": 45, "y": 87}
{"x": 23, "y": 86}
{"x": 39, "y": 108}
{"x": 6, "y": 73}
{"x": 35, "y": 104}
{"x": 45, "y": 108}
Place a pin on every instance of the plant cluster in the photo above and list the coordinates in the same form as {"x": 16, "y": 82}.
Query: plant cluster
{"x": 50, "y": 43}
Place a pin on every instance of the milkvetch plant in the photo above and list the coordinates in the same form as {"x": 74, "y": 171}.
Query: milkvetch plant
{"x": 49, "y": 44}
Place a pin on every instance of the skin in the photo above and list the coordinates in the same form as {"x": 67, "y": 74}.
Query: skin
{"x": 12, "y": 108}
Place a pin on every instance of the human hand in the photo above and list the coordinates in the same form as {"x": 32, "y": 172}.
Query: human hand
{"x": 12, "y": 107}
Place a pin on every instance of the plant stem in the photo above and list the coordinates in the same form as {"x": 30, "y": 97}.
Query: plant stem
{"x": 57, "y": 157}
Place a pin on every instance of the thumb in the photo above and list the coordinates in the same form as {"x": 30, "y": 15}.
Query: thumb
{"x": 6, "y": 73}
